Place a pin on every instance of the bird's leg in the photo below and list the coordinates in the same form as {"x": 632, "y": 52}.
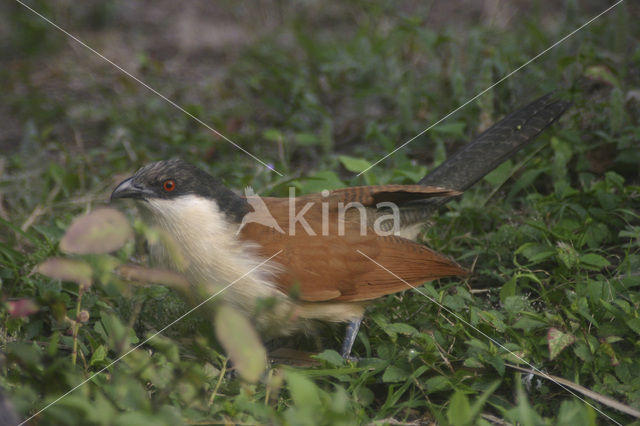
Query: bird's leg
{"x": 350, "y": 337}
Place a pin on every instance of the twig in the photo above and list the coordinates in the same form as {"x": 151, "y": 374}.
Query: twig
{"x": 609, "y": 402}
{"x": 220, "y": 377}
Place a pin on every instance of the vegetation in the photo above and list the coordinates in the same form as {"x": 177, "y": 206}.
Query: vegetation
{"x": 321, "y": 90}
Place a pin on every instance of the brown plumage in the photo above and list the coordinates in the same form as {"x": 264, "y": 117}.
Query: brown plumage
{"x": 331, "y": 265}
{"x": 317, "y": 258}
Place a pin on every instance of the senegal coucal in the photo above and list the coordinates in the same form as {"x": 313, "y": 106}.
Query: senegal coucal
{"x": 332, "y": 251}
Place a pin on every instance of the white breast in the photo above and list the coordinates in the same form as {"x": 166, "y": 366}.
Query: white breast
{"x": 198, "y": 241}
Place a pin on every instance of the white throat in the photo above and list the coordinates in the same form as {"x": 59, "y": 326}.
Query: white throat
{"x": 209, "y": 252}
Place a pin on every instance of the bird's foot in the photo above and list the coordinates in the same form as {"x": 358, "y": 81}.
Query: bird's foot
{"x": 351, "y": 358}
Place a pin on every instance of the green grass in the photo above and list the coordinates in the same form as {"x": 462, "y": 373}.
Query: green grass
{"x": 319, "y": 91}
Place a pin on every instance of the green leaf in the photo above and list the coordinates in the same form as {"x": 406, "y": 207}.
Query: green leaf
{"x": 452, "y": 128}
{"x": 98, "y": 355}
{"x": 634, "y": 324}
{"x": 558, "y": 341}
{"x": 304, "y": 392}
{"x": 400, "y": 328}
{"x": 241, "y": 342}
{"x": 355, "y": 165}
{"x": 500, "y": 174}
{"x": 394, "y": 374}
{"x": 602, "y": 74}
{"x": 28, "y": 353}
{"x": 472, "y": 362}
{"x": 479, "y": 403}
{"x": 594, "y": 261}
{"x": 527, "y": 323}
{"x": 595, "y": 234}
{"x": 535, "y": 252}
{"x": 562, "y": 155}
{"x": 567, "y": 255}
{"x": 459, "y": 411}
{"x": 331, "y": 356}
{"x": 514, "y": 304}
{"x": 319, "y": 182}
{"x": 273, "y": 135}
{"x": 508, "y": 289}
{"x": 497, "y": 363}
{"x": 576, "y": 413}
{"x": 307, "y": 139}
{"x": 525, "y": 180}
{"x": 581, "y": 349}
{"x": 436, "y": 384}
{"x": 101, "y": 231}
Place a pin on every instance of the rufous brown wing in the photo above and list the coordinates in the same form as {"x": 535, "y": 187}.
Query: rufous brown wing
{"x": 333, "y": 262}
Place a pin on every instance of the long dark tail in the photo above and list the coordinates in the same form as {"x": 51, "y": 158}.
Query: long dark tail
{"x": 493, "y": 146}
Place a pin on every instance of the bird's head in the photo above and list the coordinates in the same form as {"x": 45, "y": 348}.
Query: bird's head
{"x": 173, "y": 182}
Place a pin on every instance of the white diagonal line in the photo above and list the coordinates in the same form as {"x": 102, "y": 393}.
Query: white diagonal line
{"x": 492, "y": 86}
{"x": 153, "y": 335}
{"x": 494, "y": 341}
{"x": 154, "y": 91}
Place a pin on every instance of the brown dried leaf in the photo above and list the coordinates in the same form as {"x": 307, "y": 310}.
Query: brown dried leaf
{"x": 153, "y": 275}
{"x": 101, "y": 231}
{"x": 63, "y": 269}
{"x": 241, "y": 342}
{"x": 22, "y": 308}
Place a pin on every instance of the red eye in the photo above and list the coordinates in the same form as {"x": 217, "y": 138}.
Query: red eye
{"x": 169, "y": 185}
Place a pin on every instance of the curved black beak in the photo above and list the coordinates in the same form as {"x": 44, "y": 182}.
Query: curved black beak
{"x": 128, "y": 189}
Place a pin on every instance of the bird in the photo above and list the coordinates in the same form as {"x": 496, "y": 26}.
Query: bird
{"x": 297, "y": 260}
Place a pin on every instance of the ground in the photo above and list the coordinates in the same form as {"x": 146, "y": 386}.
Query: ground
{"x": 317, "y": 90}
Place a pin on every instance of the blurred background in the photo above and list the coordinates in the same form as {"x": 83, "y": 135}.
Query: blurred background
{"x": 296, "y": 83}
{"x": 320, "y": 90}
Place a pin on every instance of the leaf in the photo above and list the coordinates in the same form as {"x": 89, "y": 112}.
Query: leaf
{"x": 536, "y": 252}
{"x": 304, "y": 392}
{"x": 241, "y": 342}
{"x": 22, "y": 308}
{"x": 525, "y": 180}
{"x": 566, "y": 254}
{"x": 154, "y": 275}
{"x": 500, "y": 174}
{"x": 574, "y": 413}
{"x": 608, "y": 349}
{"x": 28, "y": 353}
{"x": 634, "y": 324}
{"x": 508, "y": 289}
{"x": 602, "y": 74}
{"x": 62, "y": 269}
{"x": 401, "y": 328}
{"x": 331, "y": 356}
{"x": 101, "y": 231}
{"x": 355, "y": 165}
{"x": 394, "y": 374}
{"x": 98, "y": 355}
{"x": 558, "y": 341}
{"x": 306, "y": 139}
{"x": 582, "y": 351}
{"x": 479, "y": 403}
{"x": 320, "y": 181}
{"x": 273, "y": 135}
{"x": 114, "y": 331}
{"x": 459, "y": 411}
{"x": 437, "y": 383}
{"x": 452, "y": 128}
{"x": 595, "y": 261}
{"x": 497, "y": 363}
{"x": 527, "y": 323}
